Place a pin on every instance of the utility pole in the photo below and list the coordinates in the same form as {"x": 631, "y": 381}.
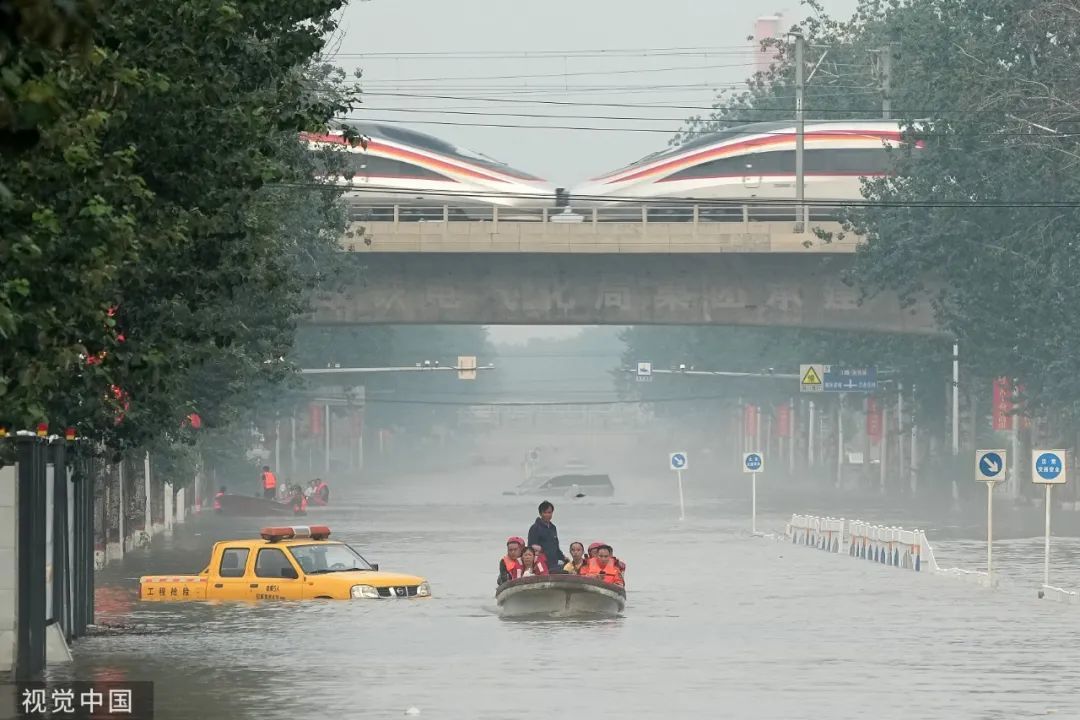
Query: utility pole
{"x": 886, "y": 81}
{"x": 800, "y": 133}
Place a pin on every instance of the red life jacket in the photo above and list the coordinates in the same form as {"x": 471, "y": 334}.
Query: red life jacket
{"x": 269, "y": 481}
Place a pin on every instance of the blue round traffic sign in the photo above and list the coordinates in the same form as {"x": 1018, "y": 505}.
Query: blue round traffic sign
{"x": 753, "y": 461}
{"x": 991, "y": 465}
{"x": 1048, "y": 466}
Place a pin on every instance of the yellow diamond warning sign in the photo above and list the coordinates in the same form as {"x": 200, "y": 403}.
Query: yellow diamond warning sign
{"x": 811, "y": 378}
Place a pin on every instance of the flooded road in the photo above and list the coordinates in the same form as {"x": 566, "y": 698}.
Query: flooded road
{"x": 718, "y": 624}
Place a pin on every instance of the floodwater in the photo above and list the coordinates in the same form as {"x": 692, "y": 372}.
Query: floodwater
{"x": 719, "y": 624}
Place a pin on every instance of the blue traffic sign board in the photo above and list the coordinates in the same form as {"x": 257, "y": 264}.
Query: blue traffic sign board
{"x": 679, "y": 461}
{"x": 990, "y": 465}
{"x": 849, "y": 379}
{"x": 753, "y": 462}
{"x": 1048, "y": 466}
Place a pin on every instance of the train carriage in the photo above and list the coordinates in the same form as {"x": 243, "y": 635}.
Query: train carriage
{"x": 422, "y": 175}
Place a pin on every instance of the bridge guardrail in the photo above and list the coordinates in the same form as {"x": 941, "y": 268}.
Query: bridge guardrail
{"x": 638, "y": 214}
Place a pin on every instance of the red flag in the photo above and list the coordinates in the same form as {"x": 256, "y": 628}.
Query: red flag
{"x": 315, "y": 416}
{"x": 783, "y": 421}
{"x": 873, "y": 419}
{"x": 1003, "y": 404}
{"x": 750, "y": 415}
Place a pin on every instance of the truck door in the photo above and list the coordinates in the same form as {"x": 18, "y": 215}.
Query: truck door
{"x": 275, "y": 577}
{"x": 230, "y": 583}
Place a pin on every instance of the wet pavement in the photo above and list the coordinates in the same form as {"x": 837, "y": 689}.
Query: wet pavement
{"x": 718, "y": 623}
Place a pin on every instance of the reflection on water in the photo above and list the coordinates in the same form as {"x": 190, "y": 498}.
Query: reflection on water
{"x": 717, "y": 624}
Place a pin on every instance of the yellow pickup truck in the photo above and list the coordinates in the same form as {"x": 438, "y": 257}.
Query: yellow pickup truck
{"x": 286, "y": 563}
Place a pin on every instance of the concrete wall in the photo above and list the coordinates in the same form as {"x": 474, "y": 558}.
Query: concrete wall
{"x": 593, "y": 237}
{"x": 782, "y": 289}
{"x": 9, "y": 566}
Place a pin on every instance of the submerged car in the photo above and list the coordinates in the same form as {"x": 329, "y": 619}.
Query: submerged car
{"x": 285, "y": 563}
{"x": 574, "y": 479}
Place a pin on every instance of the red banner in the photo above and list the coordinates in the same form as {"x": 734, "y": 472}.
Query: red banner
{"x": 783, "y": 421}
{"x": 315, "y": 417}
{"x": 874, "y": 419}
{"x": 1003, "y": 404}
{"x": 750, "y": 414}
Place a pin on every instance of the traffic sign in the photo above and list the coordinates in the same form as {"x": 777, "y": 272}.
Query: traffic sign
{"x": 753, "y": 462}
{"x": 837, "y": 378}
{"x": 644, "y": 372}
{"x": 679, "y": 461}
{"x": 1048, "y": 467}
{"x": 810, "y": 378}
{"x": 990, "y": 465}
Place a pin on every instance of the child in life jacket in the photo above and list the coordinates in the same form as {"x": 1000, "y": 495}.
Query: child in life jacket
{"x": 541, "y": 560}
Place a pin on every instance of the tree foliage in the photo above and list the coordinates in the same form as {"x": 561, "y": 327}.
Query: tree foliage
{"x": 161, "y": 229}
{"x": 982, "y": 219}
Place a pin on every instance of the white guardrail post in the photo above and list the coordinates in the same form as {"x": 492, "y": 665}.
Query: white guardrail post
{"x": 893, "y": 546}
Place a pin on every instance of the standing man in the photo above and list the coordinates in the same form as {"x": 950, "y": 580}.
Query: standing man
{"x": 544, "y": 534}
{"x": 269, "y": 483}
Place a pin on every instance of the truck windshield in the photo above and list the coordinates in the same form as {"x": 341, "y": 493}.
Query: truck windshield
{"x": 328, "y": 558}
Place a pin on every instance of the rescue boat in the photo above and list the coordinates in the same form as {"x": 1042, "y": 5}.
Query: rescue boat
{"x": 251, "y": 506}
{"x": 558, "y": 597}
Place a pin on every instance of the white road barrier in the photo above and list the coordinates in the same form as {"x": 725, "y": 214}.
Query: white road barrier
{"x": 893, "y": 546}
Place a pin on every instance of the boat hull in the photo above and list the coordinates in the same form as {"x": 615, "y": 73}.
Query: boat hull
{"x": 558, "y": 597}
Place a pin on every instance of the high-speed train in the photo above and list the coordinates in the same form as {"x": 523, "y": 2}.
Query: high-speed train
{"x": 754, "y": 162}
{"x": 421, "y": 174}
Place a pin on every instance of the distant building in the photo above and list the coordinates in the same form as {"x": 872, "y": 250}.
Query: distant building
{"x": 766, "y": 27}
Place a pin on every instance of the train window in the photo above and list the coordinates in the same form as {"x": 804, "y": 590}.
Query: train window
{"x": 364, "y": 165}
{"x": 865, "y": 161}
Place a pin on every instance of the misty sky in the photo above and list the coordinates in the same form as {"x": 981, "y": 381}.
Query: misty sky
{"x": 502, "y": 57}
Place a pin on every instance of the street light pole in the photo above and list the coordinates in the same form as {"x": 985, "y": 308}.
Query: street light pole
{"x": 800, "y": 133}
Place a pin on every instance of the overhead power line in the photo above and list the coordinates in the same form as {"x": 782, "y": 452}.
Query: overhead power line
{"x": 530, "y": 76}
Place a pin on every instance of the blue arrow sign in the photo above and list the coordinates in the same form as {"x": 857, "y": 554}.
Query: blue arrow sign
{"x": 1048, "y": 466}
{"x": 678, "y": 461}
{"x": 753, "y": 462}
{"x": 991, "y": 465}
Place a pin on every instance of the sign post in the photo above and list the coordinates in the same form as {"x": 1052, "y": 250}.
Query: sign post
{"x": 1047, "y": 468}
{"x": 644, "y": 372}
{"x": 990, "y": 468}
{"x": 753, "y": 463}
{"x": 679, "y": 461}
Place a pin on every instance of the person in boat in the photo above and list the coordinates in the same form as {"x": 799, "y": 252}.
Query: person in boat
{"x": 544, "y": 533}
{"x": 510, "y": 565}
{"x": 529, "y": 565}
{"x": 602, "y": 567}
{"x": 577, "y": 559}
{"x": 320, "y": 494}
{"x": 541, "y": 560}
{"x": 217, "y": 499}
{"x": 595, "y": 547}
{"x": 269, "y": 483}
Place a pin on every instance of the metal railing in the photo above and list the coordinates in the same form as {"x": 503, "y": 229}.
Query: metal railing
{"x": 627, "y": 213}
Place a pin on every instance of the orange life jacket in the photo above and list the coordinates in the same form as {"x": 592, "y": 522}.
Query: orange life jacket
{"x": 217, "y": 500}
{"x": 513, "y": 567}
{"x": 609, "y": 573}
{"x": 269, "y": 481}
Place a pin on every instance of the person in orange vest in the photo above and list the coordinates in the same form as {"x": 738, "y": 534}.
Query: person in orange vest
{"x": 510, "y": 565}
{"x": 593, "y": 548}
{"x": 269, "y": 483}
{"x": 602, "y": 567}
{"x": 217, "y": 499}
